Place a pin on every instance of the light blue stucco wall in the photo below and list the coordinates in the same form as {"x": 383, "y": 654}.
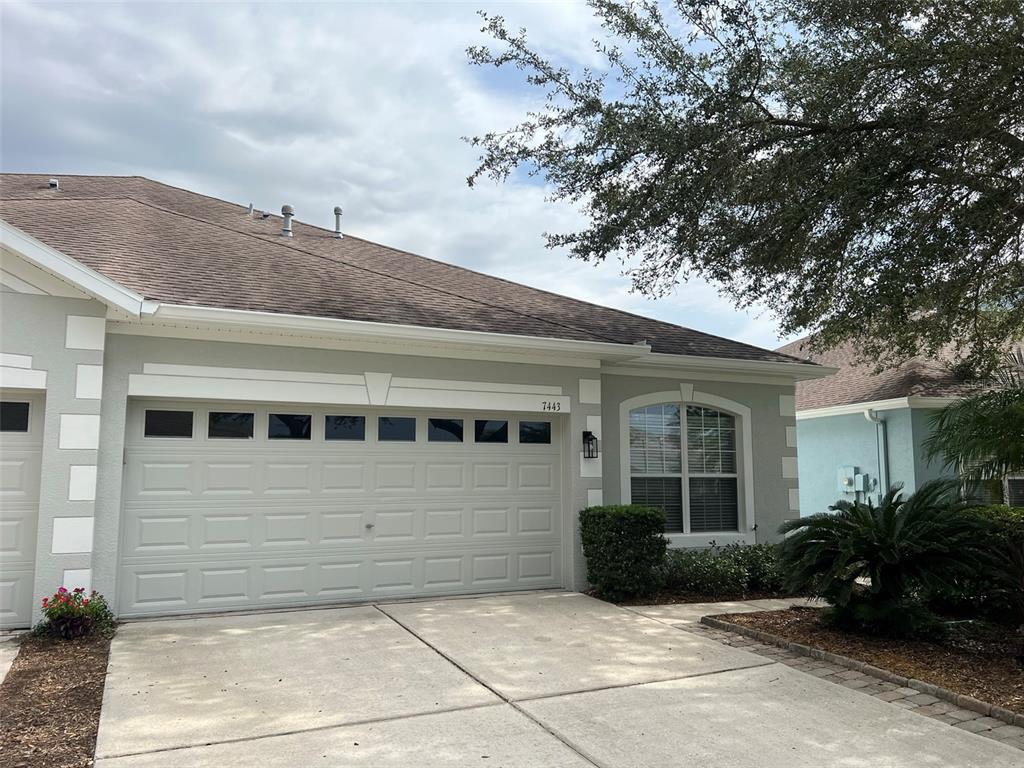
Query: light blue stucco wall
{"x": 828, "y": 443}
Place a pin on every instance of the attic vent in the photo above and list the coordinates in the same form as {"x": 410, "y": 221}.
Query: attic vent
{"x": 337, "y": 222}
{"x": 286, "y": 227}
{"x": 54, "y": 183}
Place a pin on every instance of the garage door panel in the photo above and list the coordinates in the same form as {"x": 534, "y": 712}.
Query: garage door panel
{"x": 236, "y": 478}
{"x": 394, "y": 476}
{"x": 19, "y": 474}
{"x": 156, "y": 479}
{"x": 215, "y": 524}
{"x": 536, "y": 520}
{"x": 289, "y": 478}
{"x": 341, "y": 478}
{"x": 490, "y": 522}
{"x": 445, "y": 477}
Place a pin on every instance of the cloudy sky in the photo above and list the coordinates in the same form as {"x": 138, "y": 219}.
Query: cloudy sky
{"x": 319, "y": 104}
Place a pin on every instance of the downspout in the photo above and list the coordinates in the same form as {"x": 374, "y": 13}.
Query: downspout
{"x": 882, "y": 450}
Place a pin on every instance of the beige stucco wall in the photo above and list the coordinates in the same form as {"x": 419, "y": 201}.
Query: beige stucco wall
{"x": 772, "y": 432}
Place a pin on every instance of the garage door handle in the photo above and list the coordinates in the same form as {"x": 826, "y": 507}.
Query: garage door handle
{"x": 369, "y": 526}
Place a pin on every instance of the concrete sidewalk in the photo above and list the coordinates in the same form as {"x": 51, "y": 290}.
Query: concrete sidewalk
{"x": 541, "y": 679}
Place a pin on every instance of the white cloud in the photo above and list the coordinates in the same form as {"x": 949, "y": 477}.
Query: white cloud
{"x": 315, "y": 105}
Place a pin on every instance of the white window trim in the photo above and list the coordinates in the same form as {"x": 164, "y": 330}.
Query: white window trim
{"x": 745, "y": 472}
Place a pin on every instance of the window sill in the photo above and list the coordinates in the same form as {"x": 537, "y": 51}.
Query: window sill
{"x": 703, "y": 540}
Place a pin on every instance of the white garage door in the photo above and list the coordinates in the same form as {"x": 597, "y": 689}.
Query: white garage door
{"x": 21, "y": 441}
{"x": 247, "y": 506}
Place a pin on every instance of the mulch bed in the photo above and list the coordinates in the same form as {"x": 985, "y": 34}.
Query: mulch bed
{"x": 975, "y": 660}
{"x": 51, "y": 701}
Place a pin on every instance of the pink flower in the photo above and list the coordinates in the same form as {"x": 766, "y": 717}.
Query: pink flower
{"x": 79, "y": 589}
{"x": 61, "y": 591}
{"x": 46, "y": 601}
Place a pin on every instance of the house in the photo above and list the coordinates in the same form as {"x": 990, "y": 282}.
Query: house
{"x": 860, "y": 432}
{"x": 209, "y": 408}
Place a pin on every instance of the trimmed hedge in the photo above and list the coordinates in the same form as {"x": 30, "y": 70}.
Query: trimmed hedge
{"x": 704, "y": 572}
{"x": 761, "y": 562}
{"x": 625, "y": 549}
{"x": 730, "y": 571}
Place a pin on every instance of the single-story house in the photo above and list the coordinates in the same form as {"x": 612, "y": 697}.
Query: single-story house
{"x": 209, "y": 408}
{"x": 859, "y": 432}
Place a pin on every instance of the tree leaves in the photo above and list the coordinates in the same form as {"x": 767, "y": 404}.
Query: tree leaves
{"x": 856, "y": 167}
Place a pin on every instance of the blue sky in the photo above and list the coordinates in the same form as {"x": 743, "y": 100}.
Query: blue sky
{"x": 316, "y": 105}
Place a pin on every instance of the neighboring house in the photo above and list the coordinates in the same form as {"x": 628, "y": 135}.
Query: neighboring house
{"x": 209, "y": 408}
{"x": 859, "y": 432}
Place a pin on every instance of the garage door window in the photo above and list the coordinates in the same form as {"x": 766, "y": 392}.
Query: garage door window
{"x": 168, "y": 424}
{"x": 231, "y": 425}
{"x": 444, "y": 430}
{"x": 537, "y": 432}
{"x": 396, "y": 429}
{"x": 491, "y": 431}
{"x": 289, "y": 426}
{"x": 345, "y": 428}
{"x": 13, "y": 417}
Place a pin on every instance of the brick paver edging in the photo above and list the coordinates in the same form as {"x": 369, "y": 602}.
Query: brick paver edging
{"x": 960, "y": 700}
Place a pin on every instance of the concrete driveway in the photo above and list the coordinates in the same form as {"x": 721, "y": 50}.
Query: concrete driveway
{"x": 541, "y": 679}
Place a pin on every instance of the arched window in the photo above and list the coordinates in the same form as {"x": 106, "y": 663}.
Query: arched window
{"x": 683, "y": 459}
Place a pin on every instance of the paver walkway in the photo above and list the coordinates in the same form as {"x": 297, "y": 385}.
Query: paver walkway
{"x": 906, "y": 698}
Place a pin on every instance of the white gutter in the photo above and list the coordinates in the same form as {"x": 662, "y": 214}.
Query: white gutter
{"x": 913, "y": 401}
{"x": 273, "y": 322}
{"x": 792, "y": 370}
{"x": 50, "y": 260}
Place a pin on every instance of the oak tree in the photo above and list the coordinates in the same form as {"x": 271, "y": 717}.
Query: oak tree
{"x": 857, "y": 166}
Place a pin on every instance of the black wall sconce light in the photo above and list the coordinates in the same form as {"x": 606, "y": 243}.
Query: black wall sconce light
{"x": 589, "y": 445}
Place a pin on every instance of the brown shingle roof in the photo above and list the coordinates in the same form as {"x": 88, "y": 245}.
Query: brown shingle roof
{"x": 855, "y": 382}
{"x": 176, "y": 246}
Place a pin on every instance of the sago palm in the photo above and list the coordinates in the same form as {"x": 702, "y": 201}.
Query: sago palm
{"x": 878, "y": 555}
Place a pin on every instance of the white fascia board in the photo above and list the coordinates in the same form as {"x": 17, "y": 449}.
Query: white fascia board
{"x": 282, "y": 324}
{"x": 914, "y": 401}
{"x": 100, "y": 287}
{"x": 694, "y": 364}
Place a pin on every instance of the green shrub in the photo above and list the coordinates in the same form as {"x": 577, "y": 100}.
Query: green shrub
{"x": 995, "y": 590}
{"x": 870, "y": 562}
{"x": 761, "y": 563}
{"x": 705, "y": 572}
{"x": 70, "y": 614}
{"x": 624, "y": 548}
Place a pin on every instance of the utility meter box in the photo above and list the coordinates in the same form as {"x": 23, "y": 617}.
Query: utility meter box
{"x": 846, "y": 479}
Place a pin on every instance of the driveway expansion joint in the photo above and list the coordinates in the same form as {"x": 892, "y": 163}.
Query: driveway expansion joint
{"x": 577, "y": 749}
{"x": 298, "y": 731}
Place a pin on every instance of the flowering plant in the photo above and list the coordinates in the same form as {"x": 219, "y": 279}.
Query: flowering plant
{"x": 72, "y": 613}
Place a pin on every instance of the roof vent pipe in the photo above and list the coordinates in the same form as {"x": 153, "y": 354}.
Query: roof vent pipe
{"x": 286, "y": 228}
{"x": 54, "y": 183}
{"x": 250, "y": 211}
{"x": 337, "y": 222}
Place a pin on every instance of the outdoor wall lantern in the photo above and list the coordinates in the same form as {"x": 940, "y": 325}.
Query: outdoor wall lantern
{"x": 589, "y": 445}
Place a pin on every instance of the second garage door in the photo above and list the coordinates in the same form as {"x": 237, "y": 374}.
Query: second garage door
{"x": 244, "y": 506}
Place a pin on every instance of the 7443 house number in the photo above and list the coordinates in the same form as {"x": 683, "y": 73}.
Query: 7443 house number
{"x": 550, "y": 405}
